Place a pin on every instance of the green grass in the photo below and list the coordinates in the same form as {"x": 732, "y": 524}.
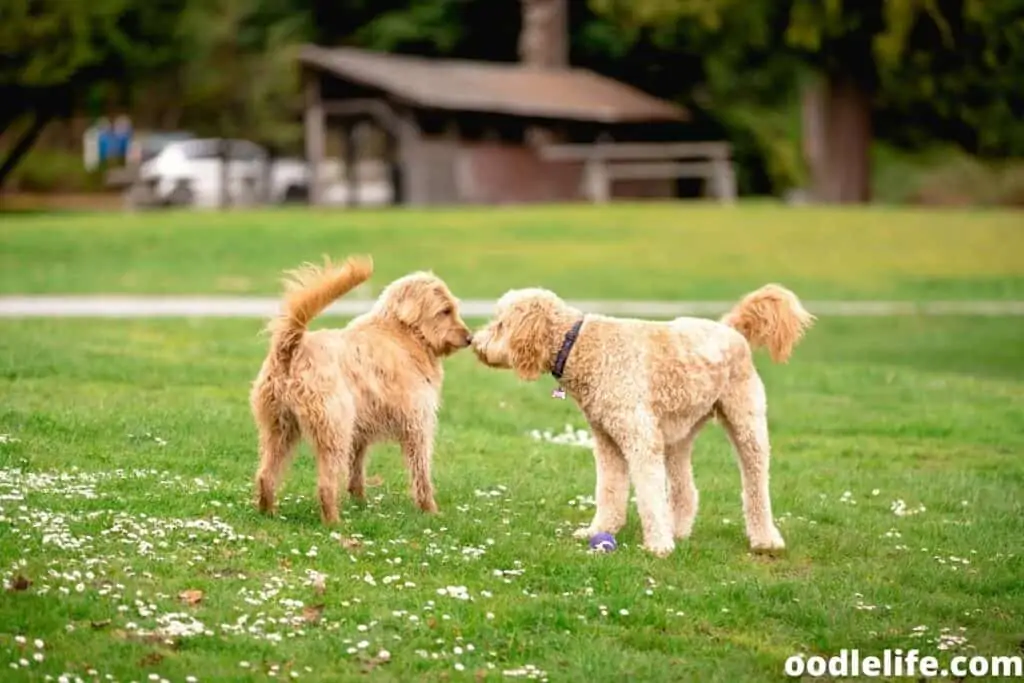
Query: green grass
{"x": 650, "y": 251}
{"x": 928, "y": 411}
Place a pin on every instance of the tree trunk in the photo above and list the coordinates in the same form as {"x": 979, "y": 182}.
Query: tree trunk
{"x": 24, "y": 144}
{"x": 837, "y": 138}
{"x": 7, "y": 117}
{"x": 544, "y": 44}
{"x": 544, "y": 36}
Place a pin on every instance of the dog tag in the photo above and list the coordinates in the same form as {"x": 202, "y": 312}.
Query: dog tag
{"x": 558, "y": 393}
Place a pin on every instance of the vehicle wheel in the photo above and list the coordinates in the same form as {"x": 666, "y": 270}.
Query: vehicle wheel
{"x": 181, "y": 195}
{"x": 295, "y": 193}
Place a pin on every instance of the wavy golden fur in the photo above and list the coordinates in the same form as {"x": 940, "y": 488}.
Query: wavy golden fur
{"x": 378, "y": 378}
{"x": 647, "y": 388}
{"x": 310, "y": 289}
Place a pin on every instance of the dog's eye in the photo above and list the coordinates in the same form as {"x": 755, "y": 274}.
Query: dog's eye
{"x": 447, "y": 311}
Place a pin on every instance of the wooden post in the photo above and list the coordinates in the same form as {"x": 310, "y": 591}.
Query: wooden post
{"x": 596, "y": 180}
{"x": 315, "y": 138}
{"x": 393, "y": 154}
{"x": 724, "y": 177}
{"x": 351, "y": 159}
{"x": 410, "y": 153}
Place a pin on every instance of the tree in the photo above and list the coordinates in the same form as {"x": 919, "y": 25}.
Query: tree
{"x": 56, "y": 52}
{"x": 846, "y": 55}
{"x": 239, "y": 71}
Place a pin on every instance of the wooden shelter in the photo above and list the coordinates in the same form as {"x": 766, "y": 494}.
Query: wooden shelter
{"x": 466, "y": 132}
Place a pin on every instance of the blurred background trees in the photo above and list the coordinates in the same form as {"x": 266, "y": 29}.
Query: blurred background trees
{"x": 836, "y": 96}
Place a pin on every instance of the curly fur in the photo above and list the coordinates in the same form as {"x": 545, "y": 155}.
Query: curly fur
{"x": 378, "y": 378}
{"x": 647, "y": 388}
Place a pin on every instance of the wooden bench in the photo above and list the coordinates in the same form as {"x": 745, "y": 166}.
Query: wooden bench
{"x": 606, "y": 162}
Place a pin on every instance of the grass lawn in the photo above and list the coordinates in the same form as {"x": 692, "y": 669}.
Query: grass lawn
{"x": 643, "y": 251}
{"x": 127, "y": 455}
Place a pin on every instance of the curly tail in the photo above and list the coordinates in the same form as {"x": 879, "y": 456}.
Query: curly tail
{"x": 772, "y": 317}
{"x": 308, "y": 291}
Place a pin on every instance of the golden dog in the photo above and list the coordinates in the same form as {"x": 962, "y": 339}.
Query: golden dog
{"x": 378, "y": 378}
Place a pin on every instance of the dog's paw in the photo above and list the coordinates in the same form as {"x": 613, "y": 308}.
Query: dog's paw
{"x": 429, "y": 506}
{"x": 585, "y": 533}
{"x": 660, "y": 548}
{"x": 773, "y": 542}
{"x": 683, "y": 528}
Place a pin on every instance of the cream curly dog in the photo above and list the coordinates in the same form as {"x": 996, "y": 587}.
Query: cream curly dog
{"x": 647, "y": 388}
{"x": 379, "y": 378}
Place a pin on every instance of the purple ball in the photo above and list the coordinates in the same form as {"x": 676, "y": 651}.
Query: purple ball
{"x": 603, "y": 542}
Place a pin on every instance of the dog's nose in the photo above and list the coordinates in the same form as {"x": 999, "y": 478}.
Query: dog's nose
{"x": 469, "y": 338}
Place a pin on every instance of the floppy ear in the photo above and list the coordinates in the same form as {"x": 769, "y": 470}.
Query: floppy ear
{"x": 407, "y": 306}
{"x": 529, "y": 342}
{"x": 408, "y": 311}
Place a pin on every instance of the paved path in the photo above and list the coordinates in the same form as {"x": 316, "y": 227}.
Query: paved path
{"x": 264, "y": 307}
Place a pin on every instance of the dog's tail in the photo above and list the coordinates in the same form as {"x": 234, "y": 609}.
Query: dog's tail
{"x": 772, "y": 317}
{"x": 308, "y": 291}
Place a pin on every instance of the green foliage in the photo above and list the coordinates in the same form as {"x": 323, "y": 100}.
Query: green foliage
{"x": 972, "y": 94}
{"x": 946, "y": 69}
{"x": 253, "y": 89}
{"x": 46, "y": 43}
{"x": 53, "y": 170}
{"x": 946, "y": 176}
{"x": 431, "y": 21}
{"x": 52, "y": 43}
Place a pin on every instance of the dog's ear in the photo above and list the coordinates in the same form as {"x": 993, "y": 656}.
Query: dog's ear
{"x": 408, "y": 311}
{"x": 529, "y": 341}
{"x": 407, "y": 304}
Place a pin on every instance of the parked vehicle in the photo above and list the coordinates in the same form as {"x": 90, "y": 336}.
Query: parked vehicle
{"x": 189, "y": 172}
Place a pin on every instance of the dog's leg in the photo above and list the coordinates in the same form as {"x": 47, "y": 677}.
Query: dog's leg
{"x": 277, "y": 441}
{"x": 357, "y": 472}
{"x": 278, "y": 434}
{"x": 418, "y": 451}
{"x": 611, "y": 492}
{"x": 744, "y": 412}
{"x": 682, "y": 489}
{"x": 643, "y": 448}
{"x": 327, "y": 425}
{"x": 332, "y": 458}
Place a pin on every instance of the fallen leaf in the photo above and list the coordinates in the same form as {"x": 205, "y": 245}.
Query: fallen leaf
{"x": 350, "y": 543}
{"x": 375, "y": 480}
{"x": 312, "y": 613}
{"x": 100, "y": 624}
{"x": 431, "y": 622}
{"x": 152, "y": 659}
{"x": 371, "y": 663}
{"x": 191, "y": 596}
{"x": 20, "y": 583}
{"x": 481, "y": 674}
